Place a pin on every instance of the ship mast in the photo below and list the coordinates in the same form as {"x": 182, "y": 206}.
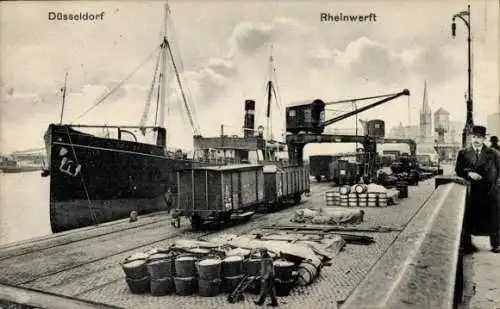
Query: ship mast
{"x": 63, "y": 97}
{"x": 163, "y": 74}
{"x": 269, "y": 96}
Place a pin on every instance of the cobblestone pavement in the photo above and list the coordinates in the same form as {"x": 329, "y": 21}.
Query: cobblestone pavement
{"x": 485, "y": 281}
{"x": 88, "y": 268}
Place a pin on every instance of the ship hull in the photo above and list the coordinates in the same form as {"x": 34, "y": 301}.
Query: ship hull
{"x": 95, "y": 180}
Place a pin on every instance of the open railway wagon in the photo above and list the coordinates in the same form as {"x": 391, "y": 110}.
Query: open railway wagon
{"x": 215, "y": 194}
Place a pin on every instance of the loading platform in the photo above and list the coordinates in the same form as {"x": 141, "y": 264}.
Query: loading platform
{"x": 417, "y": 247}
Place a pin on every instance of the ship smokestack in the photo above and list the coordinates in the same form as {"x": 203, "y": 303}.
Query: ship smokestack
{"x": 249, "y": 121}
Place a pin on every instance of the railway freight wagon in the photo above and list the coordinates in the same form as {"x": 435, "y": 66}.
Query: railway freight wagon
{"x": 319, "y": 166}
{"x": 345, "y": 172}
{"x": 219, "y": 193}
{"x": 284, "y": 183}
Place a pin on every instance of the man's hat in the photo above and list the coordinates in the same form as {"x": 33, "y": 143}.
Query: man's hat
{"x": 479, "y": 131}
{"x": 494, "y": 139}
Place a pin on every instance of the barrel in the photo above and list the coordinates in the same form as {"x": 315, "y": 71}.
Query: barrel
{"x": 403, "y": 189}
{"x": 253, "y": 266}
{"x": 306, "y": 273}
{"x": 198, "y": 252}
{"x": 360, "y": 188}
{"x": 135, "y": 269}
{"x": 185, "y": 266}
{"x": 161, "y": 265}
{"x": 238, "y": 252}
{"x": 230, "y": 283}
{"x": 185, "y": 286}
{"x": 138, "y": 286}
{"x": 283, "y": 288}
{"x": 209, "y": 269}
{"x": 345, "y": 190}
{"x": 209, "y": 288}
{"x": 283, "y": 269}
{"x": 232, "y": 266}
{"x": 163, "y": 286}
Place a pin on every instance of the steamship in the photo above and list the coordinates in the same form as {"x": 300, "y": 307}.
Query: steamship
{"x": 96, "y": 179}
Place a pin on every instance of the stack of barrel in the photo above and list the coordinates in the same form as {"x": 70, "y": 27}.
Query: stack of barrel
{"x": 209, "y": 271}
{"x": 185, "y": 275}
{"x": 161, "y": 269}
{"x": 332, "y": 198}
{"x": 344, "y": 198}
{"x": 136, "y": 273}
{"x": 232, "y": 272}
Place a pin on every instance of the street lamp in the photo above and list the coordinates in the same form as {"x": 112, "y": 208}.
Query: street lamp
{"x": 465, "y": 17}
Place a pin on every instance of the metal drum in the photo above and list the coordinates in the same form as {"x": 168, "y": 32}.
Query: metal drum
{"x": 163, "y": 286}
{"x": 185, "y": 286}
{"x": 209, "y": 269}
{"x": 138, "y": 286}
{"x": 283, "y": 269}
{"x": 360, "y": 188}
{"x": 403, "y": 189}
{"x": 232, "y": 266}
{"x": 345, "y": 190}
{"x": 198, "y": 252}
{"x": 135, "y": 269}
{"x": 209, "y": 288}
{"x": 253, "y": 266}
{"x": 161, "y": 265}
{"x": 239, "y": 252}
{"x": 185, "y": 266}
{"x": 230, "y": 283}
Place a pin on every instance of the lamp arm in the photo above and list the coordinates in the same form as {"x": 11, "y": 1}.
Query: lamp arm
{"x": 463, "y": 19}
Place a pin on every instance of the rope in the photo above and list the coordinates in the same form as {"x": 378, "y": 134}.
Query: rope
{"x": 119, "y": 85}
{"x": 150, "y": 94}
{"x": 92, "y": 213}
{"x": 190, "y": 108}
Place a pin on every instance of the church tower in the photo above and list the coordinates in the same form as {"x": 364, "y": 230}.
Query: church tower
{"x": 425, "y": 118}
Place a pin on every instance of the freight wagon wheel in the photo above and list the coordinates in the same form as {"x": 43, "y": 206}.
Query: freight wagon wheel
{"x": 297, "y": 198}
{"x": 196, "y": 222}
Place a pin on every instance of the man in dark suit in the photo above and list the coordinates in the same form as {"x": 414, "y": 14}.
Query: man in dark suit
{"x": 481, "y": 166}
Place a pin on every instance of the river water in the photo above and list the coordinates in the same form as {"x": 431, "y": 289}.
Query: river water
{"x": 24, "y": 206}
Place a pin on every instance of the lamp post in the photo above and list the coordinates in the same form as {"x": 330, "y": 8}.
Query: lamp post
{"x": 465, "y": 17}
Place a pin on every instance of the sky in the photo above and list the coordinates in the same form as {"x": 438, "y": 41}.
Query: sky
{"x": 222, "y": 50}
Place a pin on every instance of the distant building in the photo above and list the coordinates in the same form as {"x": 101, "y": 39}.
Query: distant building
{"x": 493, "y": 124}
{"x": 425, "y": 119}
{"x": 446, "y": 135}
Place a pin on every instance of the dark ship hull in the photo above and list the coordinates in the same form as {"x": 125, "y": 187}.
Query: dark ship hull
{"x": 95, "y": 180}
